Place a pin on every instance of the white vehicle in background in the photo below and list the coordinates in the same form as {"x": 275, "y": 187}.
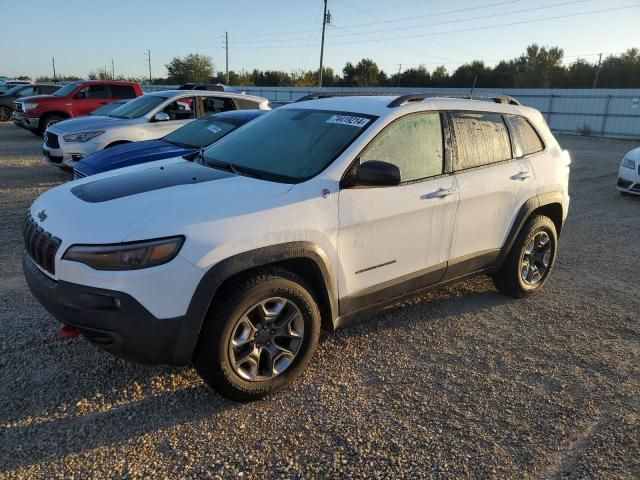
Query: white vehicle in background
{"x": 629, "y": 174}
{"x": 234, "y": 259}
{"x": 148, "y": 117}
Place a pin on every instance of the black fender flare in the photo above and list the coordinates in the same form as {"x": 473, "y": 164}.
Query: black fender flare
{"x": 222, "y": 271}
{"x": 524, "y": 213}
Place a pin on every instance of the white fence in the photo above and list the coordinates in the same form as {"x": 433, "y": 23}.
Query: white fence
{"x": 602, "y": 112}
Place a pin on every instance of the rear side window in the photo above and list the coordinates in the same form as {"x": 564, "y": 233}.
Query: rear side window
{"x": 481, "y": 139}
{"x": 525, "y": 139}
{"x": 215, "y": 105}
{"x": 122, "y": 91}
{"x": 412, "y": 143}
{"x": 97, "y": 91}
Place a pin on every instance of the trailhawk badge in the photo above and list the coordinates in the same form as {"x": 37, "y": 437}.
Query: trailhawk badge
{"x": 42, "y": 216}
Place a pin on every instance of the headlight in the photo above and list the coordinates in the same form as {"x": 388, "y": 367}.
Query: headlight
{"x": 81, "y": 137}
{"x": 628, "y": 163}
{"x": 126, "y": 256}
{"x": 29, "y": 106}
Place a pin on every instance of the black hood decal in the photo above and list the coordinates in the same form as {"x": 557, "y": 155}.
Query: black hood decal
{"x": 118, "y": 186}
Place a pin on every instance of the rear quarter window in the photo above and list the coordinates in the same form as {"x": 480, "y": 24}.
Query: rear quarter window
{"x": 526, "y": 140}
{"x": 481, "y": 139}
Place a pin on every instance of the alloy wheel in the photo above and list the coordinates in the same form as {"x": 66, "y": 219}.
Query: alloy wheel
{"x": 536, "y": 258}
{"x": 265, "y": 340}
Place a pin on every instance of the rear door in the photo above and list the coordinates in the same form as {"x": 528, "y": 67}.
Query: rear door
{"x": 210, "y": 105}
{"x": 493, "y": 186}
{"x": 396, "y": 239}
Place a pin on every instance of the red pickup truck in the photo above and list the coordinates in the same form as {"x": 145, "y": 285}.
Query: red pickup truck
{"x": 73, "y": 100}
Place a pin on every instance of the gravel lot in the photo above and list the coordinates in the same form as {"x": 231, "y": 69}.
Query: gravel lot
{"x": 460, "y": 383}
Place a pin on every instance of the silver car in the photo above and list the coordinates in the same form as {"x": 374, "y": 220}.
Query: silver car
{"x": 148, "y": 117}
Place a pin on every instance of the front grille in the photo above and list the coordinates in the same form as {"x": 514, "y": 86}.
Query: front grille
{"x": 622, "y": 183}
{"x": 19, "y": 107}
{"x": 51, "y": 140}
{"x": 40, "y": 245}
{"x": 77, "y": 175}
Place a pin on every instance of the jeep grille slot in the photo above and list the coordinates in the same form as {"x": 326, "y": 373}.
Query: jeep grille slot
{"x": 40, "y": 245}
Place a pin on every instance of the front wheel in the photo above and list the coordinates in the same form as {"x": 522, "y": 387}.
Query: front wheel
{"x": 529, "y": 263}
{"x": 260, "y": 336}
{"x": 48, "y": 121}
{"x": 5, "y": 114}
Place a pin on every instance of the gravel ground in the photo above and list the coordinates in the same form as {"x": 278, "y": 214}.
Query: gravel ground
{"x": 460, "y": 383}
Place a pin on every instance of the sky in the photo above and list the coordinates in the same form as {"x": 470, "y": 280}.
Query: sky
{"x": 285, "y": 34}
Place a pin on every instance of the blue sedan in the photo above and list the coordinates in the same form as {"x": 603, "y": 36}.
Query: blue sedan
{"x": 183, "y": 141}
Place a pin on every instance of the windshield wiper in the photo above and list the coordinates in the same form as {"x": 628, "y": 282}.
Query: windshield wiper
{"x": 230, "y": 167}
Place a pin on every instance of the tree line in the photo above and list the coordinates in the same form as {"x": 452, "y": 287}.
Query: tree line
{"x": 537, "y": 67}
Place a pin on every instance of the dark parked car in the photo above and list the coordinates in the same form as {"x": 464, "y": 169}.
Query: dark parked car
{"x": 186, "y": 140}
{"x": 19, "y": 91}
{"x": 6, "y": 86}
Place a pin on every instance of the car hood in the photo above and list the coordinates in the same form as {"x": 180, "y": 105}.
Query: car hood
{"x": 88, "y": 124}
{"x": 130, "y": 154}
{"x": 38, "y": 98}
{"x": 143, "y": 202}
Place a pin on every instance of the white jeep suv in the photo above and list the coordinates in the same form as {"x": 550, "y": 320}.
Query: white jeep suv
{"x": 234, "y": 259}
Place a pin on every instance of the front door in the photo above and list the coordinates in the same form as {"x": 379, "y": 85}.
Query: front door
{"x": 394, "y": 240}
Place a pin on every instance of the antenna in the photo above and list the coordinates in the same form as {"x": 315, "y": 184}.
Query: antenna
{"x": 473, "y": 87}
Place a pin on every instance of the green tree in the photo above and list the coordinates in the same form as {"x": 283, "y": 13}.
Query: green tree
{"x": 190, "y": 68}
{"x": 440, "y": 77}
{"x": 364, "y": 74}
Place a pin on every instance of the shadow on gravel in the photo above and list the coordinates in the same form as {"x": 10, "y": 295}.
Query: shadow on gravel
{"x": 77, "y": 430}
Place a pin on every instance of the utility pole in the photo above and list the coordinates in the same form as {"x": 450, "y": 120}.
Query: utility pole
{"x": 148, "y": 58}
{"x": 226, "y": 49}
{"x": 399, "y": 70}
{"x": 326, "y": 18}
{"x": 595, "y": 80}
{"x": 113, "y": 70}
{"x": 53, "y": 63}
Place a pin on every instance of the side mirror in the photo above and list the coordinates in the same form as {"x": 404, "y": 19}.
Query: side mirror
{"x": 374, "y": 173}
{"x": 161, "y": 117}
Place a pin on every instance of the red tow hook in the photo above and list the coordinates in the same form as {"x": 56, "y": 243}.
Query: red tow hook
{"x": 68, "y": 332}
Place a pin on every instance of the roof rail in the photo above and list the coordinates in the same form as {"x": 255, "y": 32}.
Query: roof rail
{"x": 487, "y": 97}
{"x": 319, "y": 95}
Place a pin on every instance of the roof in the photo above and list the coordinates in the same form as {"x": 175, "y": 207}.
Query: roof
{"x": 379, "y": 105}
{"x": 207, "y": 93}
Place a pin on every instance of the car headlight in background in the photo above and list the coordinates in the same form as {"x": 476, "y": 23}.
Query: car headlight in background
{"x": 81, "y": 137}
{"x": 628, "y": 163}
{"x": 29, "y": 106}
{"x": 126, "y": 256}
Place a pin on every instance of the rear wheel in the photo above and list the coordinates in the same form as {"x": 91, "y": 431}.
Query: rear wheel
{"x": 530, "y": 260}
{"x": 5, "y": 114}
{"x": 260, "y": 336}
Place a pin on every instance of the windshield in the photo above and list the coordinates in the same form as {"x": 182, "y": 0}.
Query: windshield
{"x": 66, "y": 90}
{"x": 138, "y": 107}
{"x": 289, "y": 145}
{"x": 5, "y": 88}
{"x": 200, "y": 133}
{"x": 108, "y": 108}
{"x": 12, "y": 89}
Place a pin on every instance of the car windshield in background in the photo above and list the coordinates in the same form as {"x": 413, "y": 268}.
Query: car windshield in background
{"x": 288, "y": 145}
{"x": 108, "y": 108}
{"x": 66, "y": 90}
{"x": 138, "y": 107}
{"x": 200, "y": 133}
{"x": 12, "y": 89}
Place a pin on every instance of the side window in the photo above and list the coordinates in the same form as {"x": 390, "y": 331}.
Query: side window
{"x": 25, "y": 92}
{"x": 215, "y": 105}
{"x": 413, "y": 143}
{"x": 525, "y": 139}
{"x": 181, "y": 109}
{"x": 122, "y": 91}
{"x": 97, "y": 91}
{"x": 481, "y": 139}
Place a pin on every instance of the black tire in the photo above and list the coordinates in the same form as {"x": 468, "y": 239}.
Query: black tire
{"x": 213, "y": 355}
{"x": 5, "y": 114}
{"x": 49, "y": 120}
{"x": 509, "y": 279}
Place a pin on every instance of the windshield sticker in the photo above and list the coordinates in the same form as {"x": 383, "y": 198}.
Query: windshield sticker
{"x": 348, "y": 120}
{"x": 213, "y": 128}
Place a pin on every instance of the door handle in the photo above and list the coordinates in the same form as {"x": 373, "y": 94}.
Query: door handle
{"x": 441, "y": 193}
{"x": 521, "y": 176}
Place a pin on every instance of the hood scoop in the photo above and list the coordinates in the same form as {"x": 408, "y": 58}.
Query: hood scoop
{"x": 119, "y": 186}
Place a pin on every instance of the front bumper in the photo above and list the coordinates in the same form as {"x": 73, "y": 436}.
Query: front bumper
{"x": 629, "y": 181}
{"x": 68, "y": 155}
{"x": 20, "y": 120}
{"x": 112, "y": 320}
